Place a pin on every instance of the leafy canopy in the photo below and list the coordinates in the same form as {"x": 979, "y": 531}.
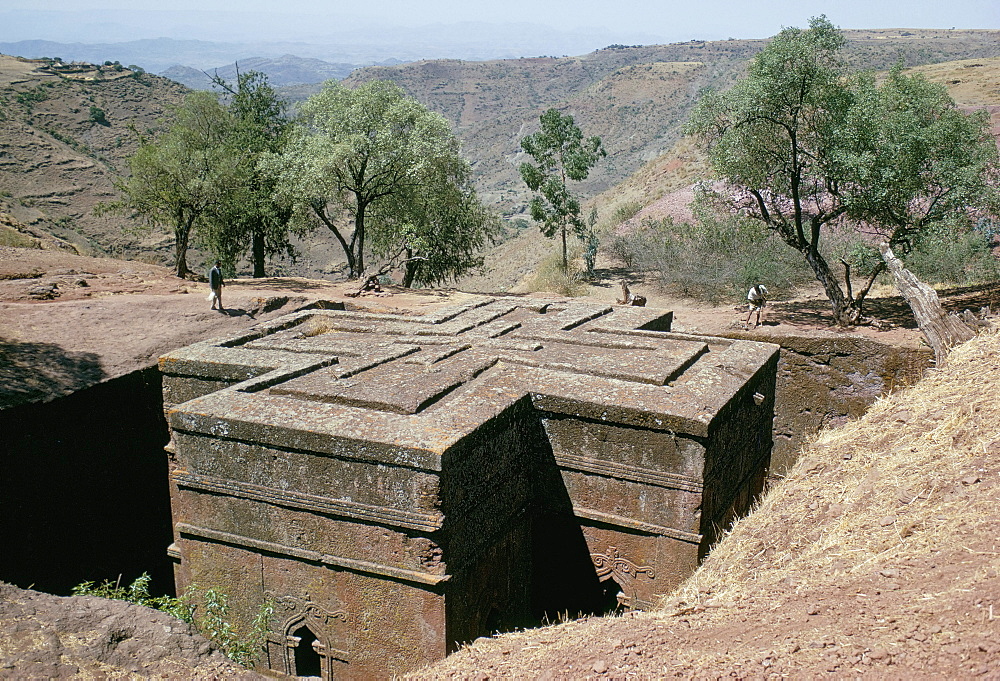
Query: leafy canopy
{"x": 802, "y": 145}
{"x": 384, "y": 174}
{"x": 178, "y": 177}
{"x": 560, "y": 154}
{"x": 250, "y": 218}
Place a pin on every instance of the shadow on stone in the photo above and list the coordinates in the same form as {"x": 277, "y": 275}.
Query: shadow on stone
{"x": 37, "y": 372}
{"x": 83, "y": 493}
{"x": 564, "y": 582}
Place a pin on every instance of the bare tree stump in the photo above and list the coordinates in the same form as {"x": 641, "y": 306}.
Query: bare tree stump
{"x": 943, "y": 331}
{"x": 629, "y": 298}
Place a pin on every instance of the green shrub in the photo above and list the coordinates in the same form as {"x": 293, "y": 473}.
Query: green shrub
{"x": 715, "y": 258}
{"x": 98, "y": 116}
{"x": 11, "y": 237}
{"x": 626, "y": 247}
{"x": 624, "y": 212}
{"x": 29, "y": 98}
{"x": 241, "y": 647}
{"x": 956, "y": 255}
{"x": 138, "y": 592}
{"x": 207, "y": 610}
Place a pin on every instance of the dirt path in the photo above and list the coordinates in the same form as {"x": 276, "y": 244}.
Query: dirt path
{"x": 68, "y": 321}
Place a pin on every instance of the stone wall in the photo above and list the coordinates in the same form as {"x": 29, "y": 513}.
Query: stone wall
{"x": 400, "y": 485}
{"x": 823, "y": 382}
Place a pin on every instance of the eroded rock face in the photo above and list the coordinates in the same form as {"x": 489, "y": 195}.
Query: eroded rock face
{"x": 397, "y": 485}
{"x": 44, "y": 636}
{"x": 823, "y": 382}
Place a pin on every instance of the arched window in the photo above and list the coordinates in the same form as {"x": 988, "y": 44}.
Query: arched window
{"x": 308, "y": 661}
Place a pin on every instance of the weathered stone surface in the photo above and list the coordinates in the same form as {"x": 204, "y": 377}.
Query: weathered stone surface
{"x": 823, "y": 382}
{"x": 398, "y": 485}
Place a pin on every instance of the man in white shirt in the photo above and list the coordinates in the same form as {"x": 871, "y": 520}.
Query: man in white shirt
{"x": 756, "y": 300}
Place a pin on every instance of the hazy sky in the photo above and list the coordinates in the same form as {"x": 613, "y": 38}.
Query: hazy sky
{"x": 671, "y": 20}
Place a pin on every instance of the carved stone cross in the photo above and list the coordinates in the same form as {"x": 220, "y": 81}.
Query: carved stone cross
{"x": 476, "y": 467}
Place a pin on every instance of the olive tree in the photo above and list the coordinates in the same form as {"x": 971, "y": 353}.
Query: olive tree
{"x": 803, "y": 145}
{"x": 384, "y": 174}
{"x": 177, "y": 178}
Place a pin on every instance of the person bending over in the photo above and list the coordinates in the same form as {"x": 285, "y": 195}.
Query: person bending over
{"x": 756, "y": 300}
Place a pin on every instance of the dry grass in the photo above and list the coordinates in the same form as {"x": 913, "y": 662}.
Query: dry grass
{"x": 11, "y": 237}
{"x": 971, "y": 82}
{"x": 865, "y": 494}
{"x": 876, "y": 558}
{"x": 551, "y": 278}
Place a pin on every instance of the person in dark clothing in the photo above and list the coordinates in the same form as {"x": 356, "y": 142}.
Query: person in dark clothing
{"x": 216, "y": 283}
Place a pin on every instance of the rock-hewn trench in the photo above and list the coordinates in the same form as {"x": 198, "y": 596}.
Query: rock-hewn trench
{"x": 83, "y": 489}
{"x": 83, "y": 494}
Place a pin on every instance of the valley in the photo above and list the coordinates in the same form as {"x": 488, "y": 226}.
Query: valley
{"x": 873, "y": 553}
{"x": 56, "y": 163}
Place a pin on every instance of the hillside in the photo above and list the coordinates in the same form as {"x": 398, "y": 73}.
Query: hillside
{"x": 877, "y": 557}
{"x": 56, "y": 163}
{"x": 58, "y": 154}
{"x": 635, "y": 98}
{"x": 283, "y": 71}
{"x": 972, "y": 83}
{"x": 663, "y": 187}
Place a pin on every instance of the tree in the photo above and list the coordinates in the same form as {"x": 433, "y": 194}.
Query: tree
{"x": 802, "y": 145}
{"x": 250, "y": 217}
{"x": 381, "y": 162}
{"x": 175, "y": 178}
{"x": 438, "y": 229}
{"x": 561, "y": 154}
{"x": 912, "y": 162}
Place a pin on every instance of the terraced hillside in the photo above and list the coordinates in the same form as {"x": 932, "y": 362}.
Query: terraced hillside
{"x": 635, "y": 98}
{"x": 62, "y": 139}
{"x": 58, "y": 154}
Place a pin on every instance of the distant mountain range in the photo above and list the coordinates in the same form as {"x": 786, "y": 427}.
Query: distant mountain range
{"x": 467, "y": 41}
{"x": 282, "y": 71}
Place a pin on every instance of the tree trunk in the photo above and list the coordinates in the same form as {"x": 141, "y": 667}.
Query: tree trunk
{"x": 565, "y": 258}
{"x": 942, "y": 331}
{"x": 845, "y": 311}
{"x": 181, "y": 234}
{"x": 320, "y": 211}
{"x": 258, "y": 254}
{"x": 410, "y": 267}
{"x": 358, "y": 264}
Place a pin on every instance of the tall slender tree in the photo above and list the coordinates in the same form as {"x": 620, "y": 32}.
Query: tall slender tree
{"x": 560, "y": 154}
{"x": 251, "y": 218}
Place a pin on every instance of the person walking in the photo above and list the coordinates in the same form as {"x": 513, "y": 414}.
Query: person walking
{"x": 216, "y": 282}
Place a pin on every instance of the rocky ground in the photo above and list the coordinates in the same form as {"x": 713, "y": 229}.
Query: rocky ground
{"x": 794, "y": 595}
{"x": 69, "y": 321}
{"x": 53, "y": 637}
